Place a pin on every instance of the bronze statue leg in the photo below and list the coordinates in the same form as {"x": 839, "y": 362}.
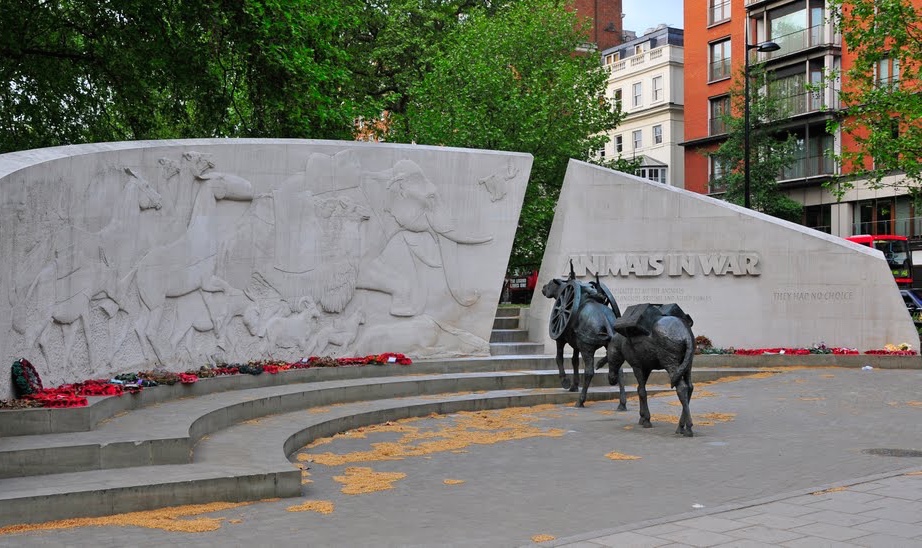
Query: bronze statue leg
{"x": 588, "y": 373}
{"x": 564, "y": 381}
{"x": 684, "y": 390}
{"x": 642, "y": 375}
{"x": 575, "y": 362}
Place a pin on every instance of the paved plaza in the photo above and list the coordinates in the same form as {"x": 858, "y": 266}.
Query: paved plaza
{"x": 804, "y": 457}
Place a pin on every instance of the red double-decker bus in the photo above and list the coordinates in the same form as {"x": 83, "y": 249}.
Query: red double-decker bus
{"x": 896, "y": 251}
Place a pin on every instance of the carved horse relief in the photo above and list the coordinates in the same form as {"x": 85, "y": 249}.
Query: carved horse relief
{"x": 189, "y": 264}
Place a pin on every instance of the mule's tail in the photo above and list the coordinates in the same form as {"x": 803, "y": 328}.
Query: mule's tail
{"x": 685, "y": 366}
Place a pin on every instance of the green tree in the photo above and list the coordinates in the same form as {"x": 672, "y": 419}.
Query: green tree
{"x": 394, "y": 44}
{"x": 81, "y": 70}
{"x": 771, "y": 150}
{"x": 513, "y": 81}
{"x": 881, "y": 93}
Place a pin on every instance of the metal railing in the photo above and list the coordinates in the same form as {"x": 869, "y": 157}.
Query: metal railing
{"x": 717, "y": 126}
{"x": 800, "y": 40}
{"x": 719, "y": 12}
{"x": 810, "y": 166}
{"x": 808, "y": 101}
{"x": 719, "y": 69}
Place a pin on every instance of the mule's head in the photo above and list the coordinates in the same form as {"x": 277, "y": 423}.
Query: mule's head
{"x": 552, "y": 288}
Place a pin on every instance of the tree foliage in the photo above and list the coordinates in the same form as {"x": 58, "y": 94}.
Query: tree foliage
{"x": 881, "y": 115}
{"x": 82, "y": 70}
{"x": 771, "y": 150}
{"x": 511, "y": 81}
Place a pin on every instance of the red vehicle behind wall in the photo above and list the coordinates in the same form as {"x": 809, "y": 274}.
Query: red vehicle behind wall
{"x": 895, "y": 249}
{"x": 519, "y": 289}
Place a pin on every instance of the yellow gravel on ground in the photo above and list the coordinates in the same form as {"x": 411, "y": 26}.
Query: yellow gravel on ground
{"x": 620, "y": 456}
{"x": 319, "y": 506}
{"x": 166, "y": 519}
{"x": 360, "y": 479}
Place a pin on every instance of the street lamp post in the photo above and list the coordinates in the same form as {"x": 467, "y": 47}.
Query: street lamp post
{"x": 763, "y": 47}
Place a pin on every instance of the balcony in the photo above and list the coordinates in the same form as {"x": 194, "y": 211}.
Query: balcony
{"x": 717, "y": 126}
{"x": 809, "y": 101}
{"x": 911, "y": 227}
{"x": 719, "y": 70}
{"x": 667, "y": 53}
{"x": 820, "y": 35}
{"x": 811, "y": 166}
{"x": 719, "y": 12}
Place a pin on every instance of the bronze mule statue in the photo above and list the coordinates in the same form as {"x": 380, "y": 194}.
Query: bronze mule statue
{"x": 583, "y": 317}
{"x": 649, "y": 337}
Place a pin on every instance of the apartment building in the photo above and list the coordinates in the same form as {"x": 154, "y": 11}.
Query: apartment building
{"x": 716, "y": 34}
{"x": 645, "y": 78}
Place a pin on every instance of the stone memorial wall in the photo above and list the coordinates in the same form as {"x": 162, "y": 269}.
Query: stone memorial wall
{"x": 748, "y": 280}
{"x": 175, "y": 254}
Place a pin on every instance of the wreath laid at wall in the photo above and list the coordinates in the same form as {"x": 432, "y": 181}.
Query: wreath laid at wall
{"x": 29, "y": 392}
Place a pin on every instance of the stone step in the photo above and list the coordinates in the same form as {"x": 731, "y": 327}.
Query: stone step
{"x": 165, "y": 434}
{"x": 516, "y": 349}
{"x": 509, "y": 335}
{"x": 246, "y": 462}
{"x": 506, "y": 323}
{"x": 509, "y": 312}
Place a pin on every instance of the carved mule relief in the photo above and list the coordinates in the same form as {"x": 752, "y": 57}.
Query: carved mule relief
{"x": 84, "y": 270}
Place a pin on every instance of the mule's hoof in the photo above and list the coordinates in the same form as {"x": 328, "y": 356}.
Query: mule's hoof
{"x": 645, "y": 423}
{"x": 613, "y": 381}
{"x": 565, "y": 383}
{"x": 580, "y": 404}
{"x": 689, "y": 434}
{"x": 574, "y": 388}
{"x": 622, "y": 407}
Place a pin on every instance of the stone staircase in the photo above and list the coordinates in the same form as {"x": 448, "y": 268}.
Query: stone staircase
{"x": 510, "y": 337}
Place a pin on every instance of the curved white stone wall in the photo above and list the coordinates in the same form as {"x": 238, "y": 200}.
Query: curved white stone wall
{"x": 748, "y": 280}
{"x": 123, "y": 256}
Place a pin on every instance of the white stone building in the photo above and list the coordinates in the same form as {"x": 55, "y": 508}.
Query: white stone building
{"x": 646, "y": 78}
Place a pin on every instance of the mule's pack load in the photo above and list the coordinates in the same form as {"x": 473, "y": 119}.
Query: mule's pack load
{"x": 639, "y": 319}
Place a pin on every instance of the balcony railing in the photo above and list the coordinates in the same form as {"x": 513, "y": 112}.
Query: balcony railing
{"x": 811, "y": 166}
{"x": 719, "y": 69}
{"x": 800, "y": 40}
{"x": 717, "y": 126}
{"x": 719, "y": 12}
{"x": 809, "y": 101}
{"x": 643, "y": 58}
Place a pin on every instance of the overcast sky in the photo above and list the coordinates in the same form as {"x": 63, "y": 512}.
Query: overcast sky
{"x": 639, "y": 15}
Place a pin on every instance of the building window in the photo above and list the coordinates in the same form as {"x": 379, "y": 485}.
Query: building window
{"x": 657, "y": 88}
{"x": 720, "y": 60}
{"x": 638, "y": 94}
{"x": 639, "y": 49}
{"x": 657, "y": 174}
{"x": 718, "y": 11}
{"x": 637, "y": 136}
{"x": 718, "y": 170}
{"x": 720, "y": 108}
{"x": 617, "y": 98}
{"x": 601, "y": 153}
{"x": 619, "y": 143}
{"x": 657, "y": 135}
{"x": 888, "y": 72}
{"x": 612, "y": 58}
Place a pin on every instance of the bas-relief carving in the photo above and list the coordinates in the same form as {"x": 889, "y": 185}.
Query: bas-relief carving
{"x": 300, "y": 267}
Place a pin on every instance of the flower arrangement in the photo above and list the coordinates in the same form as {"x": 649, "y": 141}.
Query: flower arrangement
{"x": 30, "y": 393}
